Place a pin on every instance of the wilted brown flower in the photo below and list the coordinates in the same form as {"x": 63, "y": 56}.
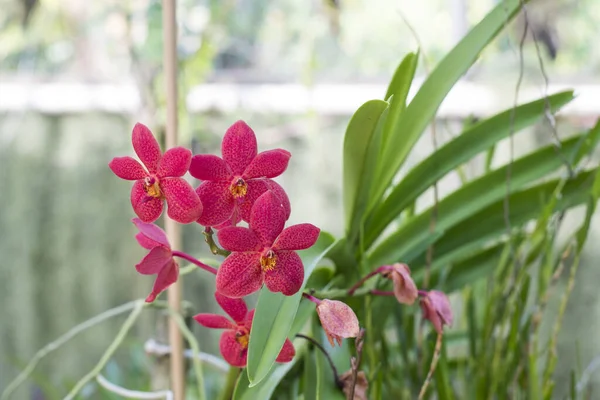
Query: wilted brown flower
{"x": 338, "y": 320}
{"x": 360, "y": 388}
{"x": 405, "y": 289}
{"x": 436, "y": 308}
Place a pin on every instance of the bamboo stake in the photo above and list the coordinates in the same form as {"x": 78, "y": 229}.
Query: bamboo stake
{"x": 171, "y": 227}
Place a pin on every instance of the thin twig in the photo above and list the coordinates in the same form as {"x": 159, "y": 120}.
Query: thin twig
{"x": 133, "y": 394}
{"x": 434, "y": 361}
{"x": 355, "y": 362}
{"x": 318, "y": 345}
{"x": 56, "y": 344}
{"x": 133, "y": 316}
{"x": 216, "y": 250}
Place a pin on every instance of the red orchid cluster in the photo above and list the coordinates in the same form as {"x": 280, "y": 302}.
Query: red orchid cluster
{"x": 237, "y": 187}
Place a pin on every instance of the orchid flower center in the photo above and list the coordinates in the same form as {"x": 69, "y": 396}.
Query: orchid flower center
{"x": 151, "y": 187}
{"x": 238, "y": 188}
{"x": 241, "y": 336}
{"x": 268, "y": 260}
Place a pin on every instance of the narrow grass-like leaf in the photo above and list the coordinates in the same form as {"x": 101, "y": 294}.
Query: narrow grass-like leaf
{"x": 471, "y": 198}
{"x": 472, "y": 141}
{"x": 424, "y": 105}
{"x": 275, "y": 314}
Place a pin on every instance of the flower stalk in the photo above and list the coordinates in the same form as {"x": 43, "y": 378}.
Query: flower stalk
{"x": 214, "y": 248}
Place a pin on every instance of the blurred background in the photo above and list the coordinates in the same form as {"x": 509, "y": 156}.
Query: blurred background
{"x": 75, "y": 75}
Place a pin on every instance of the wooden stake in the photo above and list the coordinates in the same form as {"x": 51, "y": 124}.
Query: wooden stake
{"x": 171, "y": 227}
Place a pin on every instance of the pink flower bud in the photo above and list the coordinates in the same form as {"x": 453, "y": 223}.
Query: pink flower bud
{"x": 436, "y": 308}
{"x": 405, "y": 289}
{"x": 338, "y": 320}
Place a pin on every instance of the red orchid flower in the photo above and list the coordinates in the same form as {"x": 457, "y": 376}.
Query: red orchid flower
{"x": 159, "y": 260}
{"x": 436, "y": 308}
{"x": 162, "y": 180}
{"x": 234, "y": 341}
{"x": 264, "y": 252}
{"x": 233, "y": 183}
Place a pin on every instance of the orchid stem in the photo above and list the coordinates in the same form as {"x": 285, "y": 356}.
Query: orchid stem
{"x": 191, "y": 259}
{"x": 231, "y": 380}
{"x": 362, "y": 281}
{"x": 382, "y": 292}
{"x": 355, "y": 361}
{"x": 318, "y": 345}
{"x": 311, "y": 298}
{"x": 434, "y": 361}
{"x": 216, "y": 250}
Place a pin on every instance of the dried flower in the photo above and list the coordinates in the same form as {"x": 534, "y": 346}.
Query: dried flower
{"x": 159, "y": 260}
{"x": 338, "y": 320}
{"x": 436, "y": 308}
{"x": 234, "y": 341}
{"x": 405, "y": 289}
{"x": 162, "y": 180}
{"x": 264, "y": 252}
{"x": 360, "y": 387}
{"x": 233, "y": 183}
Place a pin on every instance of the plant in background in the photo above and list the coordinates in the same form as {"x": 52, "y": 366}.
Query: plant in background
{"x": 490, "y": 244}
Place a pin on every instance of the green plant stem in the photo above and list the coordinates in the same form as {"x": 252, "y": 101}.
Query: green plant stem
{"x": 434, "y": 361}
{"x": 230, "y": 382}
{"x": 55, "y": 345}
{"x": 133, "y": 316}
{"x": 189, "y": 336}
{"x": 216, "y": 250}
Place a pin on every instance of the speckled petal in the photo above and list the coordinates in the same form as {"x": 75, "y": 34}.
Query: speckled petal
{"x": 127, "y": 168}
{"x": 235, "y": 308}
{"x": 338, "y": 320}
{"x": 232, "y": 351}
{"x": 240, "y": 275}
{"x": 287, "y": 352}
{"x": 146, "y": 147}
{"x": 151, "y": 232}
{"x": 214, "y": 321}
{"x": 148, "y": 209}
{"x": 183, "y": 203}
{"x": 154, "y": 261}
{"x": 281, "y": 195}
{"x": 297, "y": 237}
{"x": 441, "y": 305}
{"x": 208, "y": 167}
{"x": 267, "y": 218}
{"x": 268, "y": 164}
{"x": 239, "y": 147}
{"x": 217, "y": 201}
{"x": 405, "y": 289}
{"x": 166, "y": 277}
{"x": 288, "y": 274}
{"x": 174, "y": 163}
{"x": 237, "y": 238}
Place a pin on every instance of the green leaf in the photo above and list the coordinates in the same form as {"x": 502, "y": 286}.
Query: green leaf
{"x": 474, "y": 140}
{"x": 275, "y": 314}
{"x": 489, "y": 223}
{"x": 421, "y": 110}
{"x": 469, "y": 199}
{"x": 357, "y": 139}
{"x": 311, "y": 376}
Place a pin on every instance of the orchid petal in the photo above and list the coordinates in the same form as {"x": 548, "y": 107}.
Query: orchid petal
{"x": 239, "y": 147}
{"x": 214, "y": 321}
{"x": 239, "y": 275}
{"x": 268, "y": 164}
{"x": 127, "y": 168}
{"x": 147, "y": 208}
{"x": 184, "y": 205}
{"x": 237, "y": 238}
{"x": 267, "y": 218}
{"x": 174, "y": 163}
{"x": 297, "y": 237}
{"x": 217, "y": 201}
{"x": 166, "y": 277}
{"x": 146, "y": 147}
{"x": 288, "y": 274}
{"x": 232, "y": 351}
{"x": 154, "y": 261}
{"x": 152, "y": 232}
{"x": 235, "y": 308}
{"x": 287, "y": 352}
{"x": 208, "y": 167}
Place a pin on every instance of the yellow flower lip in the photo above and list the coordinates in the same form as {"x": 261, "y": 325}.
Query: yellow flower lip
{"x": 242, "y": 338}
{"x": 268, "y": 260}
{"x": 152, "y": 187}
{"x": 238, "y": 188}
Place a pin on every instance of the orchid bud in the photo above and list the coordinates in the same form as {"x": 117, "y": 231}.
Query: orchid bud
{"x": 436, "y": 308}
{"x": 405, "y": 289}
{"x": 338, "y": 320}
